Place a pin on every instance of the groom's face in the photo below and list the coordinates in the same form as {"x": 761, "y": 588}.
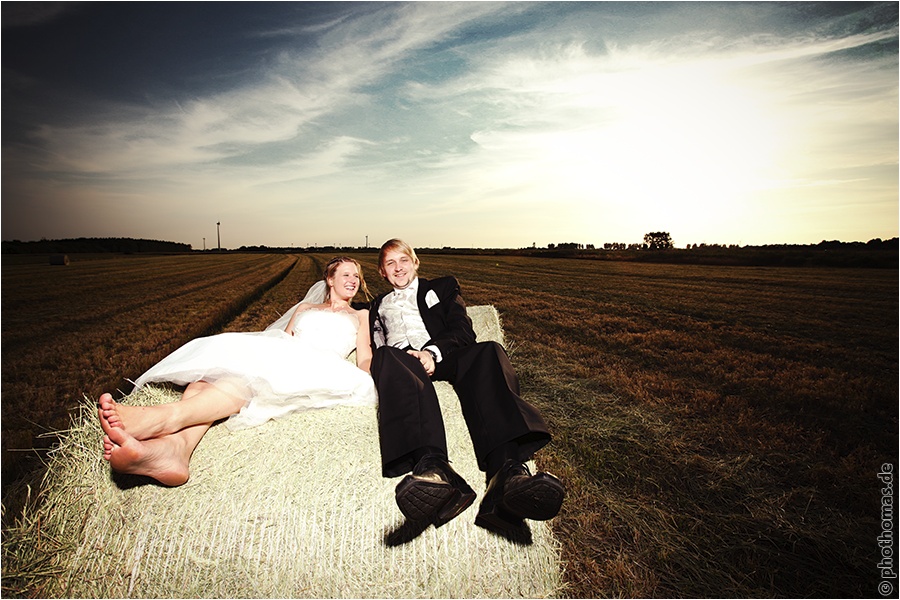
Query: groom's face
{"x": 398, "y": 268}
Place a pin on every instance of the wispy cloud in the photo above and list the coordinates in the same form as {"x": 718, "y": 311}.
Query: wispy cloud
{"x": 297, "y": 90}
{"x": 553, "y": 117}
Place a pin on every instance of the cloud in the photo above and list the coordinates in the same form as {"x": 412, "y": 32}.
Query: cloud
{"x": 685, "y": 127}
{"x": 581, "y": 119}
{"x": 299, "y": 89}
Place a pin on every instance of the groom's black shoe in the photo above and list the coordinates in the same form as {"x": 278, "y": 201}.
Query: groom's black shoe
{"x": 434, "y": 492}
{"x": 514, "y": 494}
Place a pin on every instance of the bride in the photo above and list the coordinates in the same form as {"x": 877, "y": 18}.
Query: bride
{"x": 298, "y": 362}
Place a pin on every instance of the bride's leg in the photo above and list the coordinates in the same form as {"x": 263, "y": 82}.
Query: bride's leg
{"x": 166, "y": 459}
{"x": 141, "y": 422}
{"x": 200, "y": 403}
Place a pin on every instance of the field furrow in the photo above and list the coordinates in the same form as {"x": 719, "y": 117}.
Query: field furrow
{"x": 103, "y": 322}
{"x": 719, "y": 429}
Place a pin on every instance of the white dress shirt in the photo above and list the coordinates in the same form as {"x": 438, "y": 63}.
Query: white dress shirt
{"x": 404, "y": 324}
{"x": 402, "y": 320}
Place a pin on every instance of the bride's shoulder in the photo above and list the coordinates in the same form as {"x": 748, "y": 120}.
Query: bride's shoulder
{"x": 305, "y": 306}
{"x": 362, "y": 314}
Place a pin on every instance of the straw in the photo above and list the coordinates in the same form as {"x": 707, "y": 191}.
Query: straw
{"x": 293, "y": 508}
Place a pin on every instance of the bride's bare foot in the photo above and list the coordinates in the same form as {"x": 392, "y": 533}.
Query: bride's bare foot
{"x": 107, "y": 447}
{"x": 165, "y": 459}
{"x": 141, "y": 422}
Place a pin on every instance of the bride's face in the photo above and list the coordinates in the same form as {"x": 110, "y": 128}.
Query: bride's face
{"x": 345, "y": 282}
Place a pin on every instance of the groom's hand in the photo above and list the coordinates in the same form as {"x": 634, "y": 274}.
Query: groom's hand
{"x": 425, "y": 358}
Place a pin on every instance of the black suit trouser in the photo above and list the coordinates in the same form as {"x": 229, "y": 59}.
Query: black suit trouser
{"x": 409, "y": 415}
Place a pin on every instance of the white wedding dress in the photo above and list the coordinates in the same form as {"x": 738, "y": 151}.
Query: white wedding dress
{"x": 275, "y": 372}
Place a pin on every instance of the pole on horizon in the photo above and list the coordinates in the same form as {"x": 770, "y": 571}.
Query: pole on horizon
{"x": 218, "y": 237}
{"x": 204, "y": 244}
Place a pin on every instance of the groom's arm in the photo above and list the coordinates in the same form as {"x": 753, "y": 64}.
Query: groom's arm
{"x": 377, "y": 334}
{"x": 448, "y": 321}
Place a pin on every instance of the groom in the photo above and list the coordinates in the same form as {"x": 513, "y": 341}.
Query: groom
{"x": 421, "y": 333}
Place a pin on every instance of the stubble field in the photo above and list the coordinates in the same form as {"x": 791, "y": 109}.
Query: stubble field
{"x": 719, "y": 429}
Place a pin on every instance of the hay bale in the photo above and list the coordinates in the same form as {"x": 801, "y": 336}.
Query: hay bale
{"x": 59, "y": 259}
{"x": 293, "y": 508}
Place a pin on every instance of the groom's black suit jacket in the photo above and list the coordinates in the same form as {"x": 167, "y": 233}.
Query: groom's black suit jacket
{"x": 446, "y": 320}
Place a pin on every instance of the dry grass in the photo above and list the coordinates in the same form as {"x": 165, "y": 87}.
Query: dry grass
{"x": 718, "y": 428}
{"x": 84, "y": 328}
{"x": 279, "y": 298}
{"x": 293, "y": 508}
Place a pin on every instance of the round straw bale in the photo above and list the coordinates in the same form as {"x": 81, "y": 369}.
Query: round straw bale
{"x": 294, "y": 508}
{"x": 59, "y": 259}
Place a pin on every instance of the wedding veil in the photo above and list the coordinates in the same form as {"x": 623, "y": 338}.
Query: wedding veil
{"x": 315, "y": 295}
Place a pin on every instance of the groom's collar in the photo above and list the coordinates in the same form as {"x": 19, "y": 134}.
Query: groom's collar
{"x": 412, "y": 287}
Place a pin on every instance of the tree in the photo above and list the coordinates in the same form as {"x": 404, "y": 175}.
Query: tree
{"x": 658, "y": 240}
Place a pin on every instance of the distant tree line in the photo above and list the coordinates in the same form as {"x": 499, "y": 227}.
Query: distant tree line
{"x": 662, "y": 240}
{"x": 92, "y": 245}
{"x": 304, "y": 249}
{"x": 622, "y": 246}
{"x": 873, "y": 244}
{"x": 570, "y": 246}
{"x": 658, "y": 247}
{"x": 655, "y": 240}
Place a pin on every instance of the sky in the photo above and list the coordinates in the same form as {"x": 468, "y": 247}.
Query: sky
{"x": 464, "y": 124}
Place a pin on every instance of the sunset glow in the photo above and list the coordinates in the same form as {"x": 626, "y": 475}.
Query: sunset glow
{"x": 464, "y": 124}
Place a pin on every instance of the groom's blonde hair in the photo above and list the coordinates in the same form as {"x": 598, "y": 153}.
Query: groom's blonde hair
{"x": 400, "y": 246}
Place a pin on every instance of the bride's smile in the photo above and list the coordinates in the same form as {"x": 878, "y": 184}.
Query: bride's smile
{"x": 345, "y": 281}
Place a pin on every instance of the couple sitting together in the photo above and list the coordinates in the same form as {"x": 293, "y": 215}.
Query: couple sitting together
{"x": 405, "y": 339}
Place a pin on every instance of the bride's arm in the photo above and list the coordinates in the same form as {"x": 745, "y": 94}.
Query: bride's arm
{"x": 363, "y": 344}
{"x": 300, "y": 308}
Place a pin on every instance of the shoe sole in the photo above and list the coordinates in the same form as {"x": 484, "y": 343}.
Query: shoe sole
{"x": 538, "y": 499}
{"x": 457, "y": 504}
{"x": 420, "y": 500}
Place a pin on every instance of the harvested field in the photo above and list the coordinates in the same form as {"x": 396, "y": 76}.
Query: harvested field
{"x": 719, "y": 429}
{"x": 87, "y": 327}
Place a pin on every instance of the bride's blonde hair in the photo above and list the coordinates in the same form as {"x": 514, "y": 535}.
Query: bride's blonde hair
{"x": 332, "y": 266}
